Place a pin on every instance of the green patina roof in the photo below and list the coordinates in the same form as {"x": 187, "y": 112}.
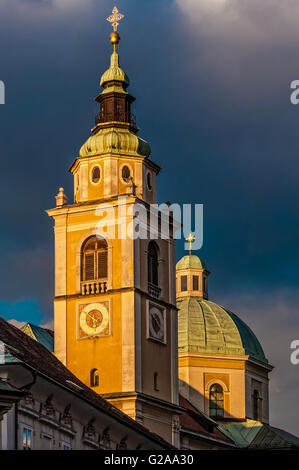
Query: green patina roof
{"x": 115, "y": 73}
{"x": 252, "y": 434}
{"x": 207, "y": 327}
{"x": 117, "y": 141}
{"x": 40, "y": 334}
{"x": 190, "y": 262}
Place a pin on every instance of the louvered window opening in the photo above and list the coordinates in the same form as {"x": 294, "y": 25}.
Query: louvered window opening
{"x": 95, "y": 260}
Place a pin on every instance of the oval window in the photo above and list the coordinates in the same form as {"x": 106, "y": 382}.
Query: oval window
{"x": 126, "y": 173}
{"x": 149, "y": 181}
{"x": 96, "y": 174}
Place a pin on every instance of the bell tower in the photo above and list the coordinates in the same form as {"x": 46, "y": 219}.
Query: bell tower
{"x": 115, "y": 317}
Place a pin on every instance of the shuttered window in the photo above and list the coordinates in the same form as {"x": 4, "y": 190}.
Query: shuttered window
{"x": 102, "y": 264}
{"x": 94, "y": 259}
{"x": 89, "y": 268}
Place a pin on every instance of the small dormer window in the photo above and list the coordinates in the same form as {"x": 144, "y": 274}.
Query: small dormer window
{"x": 183, "y": 283}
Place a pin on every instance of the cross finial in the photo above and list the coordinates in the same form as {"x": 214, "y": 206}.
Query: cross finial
{"x": 190, "y": 239}
{"x": 114, "y": 18}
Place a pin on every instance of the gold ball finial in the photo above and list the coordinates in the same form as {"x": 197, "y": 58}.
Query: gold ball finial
{"x": 114, "y": 38}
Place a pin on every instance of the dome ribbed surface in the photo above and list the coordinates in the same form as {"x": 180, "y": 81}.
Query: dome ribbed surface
{"x": 115, "y": 140}
{"x": 190, "y": 262}
{"x": 205, "y": 327}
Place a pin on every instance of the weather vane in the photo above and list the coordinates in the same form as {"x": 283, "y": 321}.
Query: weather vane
{"x": 114, "y": 18}
{"x": 190, "y": 239}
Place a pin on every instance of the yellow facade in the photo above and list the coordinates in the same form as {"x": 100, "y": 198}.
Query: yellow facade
{"x": 198, "y": 372}
{"x": 136, "y": 370}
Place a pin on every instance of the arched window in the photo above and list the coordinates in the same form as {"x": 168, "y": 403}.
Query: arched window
{"x": 255, "y": 405}
{"x": 216, "y": 401}
{"x": 94, "y": 259}
{"x": 94, "y": 378}
{"x": 152, "y": 264}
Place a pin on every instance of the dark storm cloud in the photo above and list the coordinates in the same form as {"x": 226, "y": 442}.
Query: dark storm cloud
{"x": 242, "y": 60}
{"x": 211, "y": 78}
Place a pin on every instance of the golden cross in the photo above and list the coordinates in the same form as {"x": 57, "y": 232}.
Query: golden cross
{"x": 190, "y": 239}
{"x": 114, "y": 18}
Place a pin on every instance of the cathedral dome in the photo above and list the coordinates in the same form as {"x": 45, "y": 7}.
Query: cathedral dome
{"x": 205, "y": 327}
{"x": 115, "y": 140}
{"x": 190, "y": 262}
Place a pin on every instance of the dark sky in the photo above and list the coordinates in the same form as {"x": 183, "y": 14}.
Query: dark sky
{"x": 212, "y": 82}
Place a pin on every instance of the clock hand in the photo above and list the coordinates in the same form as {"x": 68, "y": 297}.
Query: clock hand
{"x": 94, "y": 320}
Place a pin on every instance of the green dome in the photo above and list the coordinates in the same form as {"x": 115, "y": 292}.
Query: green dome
{"x": 190, "y": 262}
{"x": 205, "y": 327}
{"x": 115, "y": 140}
{"x": 115, "y": 72}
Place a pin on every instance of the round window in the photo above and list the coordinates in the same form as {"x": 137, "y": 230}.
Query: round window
{"x": 149, "y": 181}
{"x": 126, "y": 173}
{"x": 96, "y": 174}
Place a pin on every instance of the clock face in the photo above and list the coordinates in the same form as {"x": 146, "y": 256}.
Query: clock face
{"x": 94, "y": 319}
{"x": 156, "y": 324}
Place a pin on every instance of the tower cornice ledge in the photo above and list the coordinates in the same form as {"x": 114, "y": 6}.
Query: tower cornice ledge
{"x": 106, "y": 155}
